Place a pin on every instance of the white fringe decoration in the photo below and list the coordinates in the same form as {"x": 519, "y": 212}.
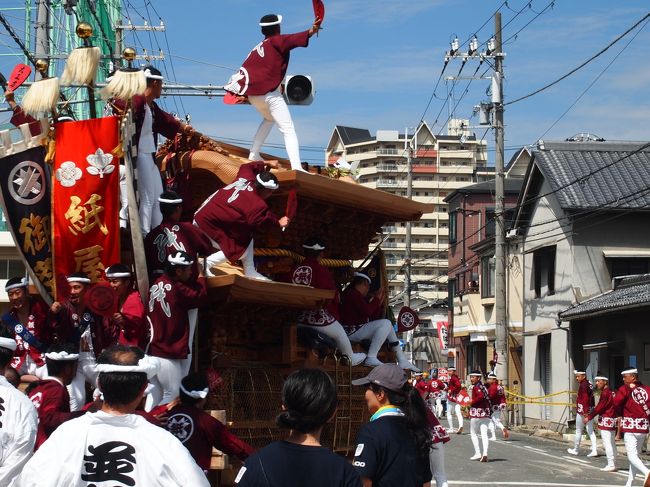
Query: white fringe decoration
{"x": 41, "y": 97}
{"x": 81, "y": 66}
{"x": 125, "y": 84}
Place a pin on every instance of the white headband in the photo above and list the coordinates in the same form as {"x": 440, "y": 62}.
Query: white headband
{"x": 600, "y": 377}
{"x": 361, "y": 274}
{"x": 173, "y": 259}
{"x": 145, "y": 365}
{"x": 492, "y": 376}
{"x": 8, "y": 343}
{"x": 83, "y": 280}
{"x": 62, "y": 356}
{"x": 630, "y": 371}
{"x": 114, "y": 275}
{"x": 475, "y": 374}
{"x": 149, "y": 75}
{"x": 23, "y": 283}
{"x": 267, "y": 184}
{"x": 581, "y": 372}
{"x": 269, "y": 24}
{"x": 177, "y": 201}
{"x": 202, "y": 394}
{"x": 316, "y": 246}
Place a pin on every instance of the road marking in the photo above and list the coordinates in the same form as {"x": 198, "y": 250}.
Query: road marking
{"x": 574, "y": 459}
{"x": 525, "y": 484}
{"x": 535, "y": 449}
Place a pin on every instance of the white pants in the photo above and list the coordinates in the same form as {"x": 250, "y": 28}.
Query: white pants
{"x": 377, "y": 332}
{"x": 479, "y": 426}
{"x": 580, "y": 427}
{"x": 192, "y": 316}
{"x": 149, "y": 189}
{"x": 453, "y": 407}
{"x": 496, "y": 422}
{"x": 336, "y": 332}
{"x": 633, "y": 444}
{"x": 274, "y": 109}
{"x": 437, "y": 464}
{"x": 170, "y": 375}
{"x": 609, "y": 442}
{"x": 86, "y": 372}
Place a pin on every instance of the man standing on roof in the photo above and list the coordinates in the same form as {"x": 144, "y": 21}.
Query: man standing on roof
{"x": 260, "y": 78}
{"x": 584, "y": 406}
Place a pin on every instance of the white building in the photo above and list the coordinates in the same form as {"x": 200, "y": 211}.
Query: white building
{"x": 441, "y": 164}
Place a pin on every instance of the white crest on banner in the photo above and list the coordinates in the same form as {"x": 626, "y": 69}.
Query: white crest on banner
{"x": 68, "y": 174}
{"x": 100, "y": 163}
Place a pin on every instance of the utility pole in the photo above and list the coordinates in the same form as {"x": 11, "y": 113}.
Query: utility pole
{"x": 42, "y": 50}
{"x": 409, "y": 194}
{"x": 501, "y": 327}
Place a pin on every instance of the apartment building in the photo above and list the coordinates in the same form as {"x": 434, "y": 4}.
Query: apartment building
{"x": 441, "y": 164}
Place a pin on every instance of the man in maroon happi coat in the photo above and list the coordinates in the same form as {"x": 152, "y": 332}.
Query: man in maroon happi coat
{"x": 584, "y": 406}
{"x": 606, "y": 412}
{"x": 130, "y": 314}
{"x": 259, "y": 80}
{"x": 231, "y": 215}
{"x": 171, "y": 297}
{"x": 479, "y": 412}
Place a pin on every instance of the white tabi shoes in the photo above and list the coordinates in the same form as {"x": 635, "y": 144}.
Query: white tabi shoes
{"x": 572, "y": 451}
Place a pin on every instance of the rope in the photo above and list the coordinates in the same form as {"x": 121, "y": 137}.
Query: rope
{"x": 299, "y": 258}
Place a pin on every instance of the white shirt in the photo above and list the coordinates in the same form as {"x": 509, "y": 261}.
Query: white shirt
{"x": 109, "y": 451}
{"x": 147, "y": 143}
{"x": 18, "y": 423}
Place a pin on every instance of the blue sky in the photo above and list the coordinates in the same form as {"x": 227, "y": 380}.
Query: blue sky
{"x": 376, "y": 63}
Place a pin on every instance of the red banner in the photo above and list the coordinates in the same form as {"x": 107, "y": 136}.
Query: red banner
{"x": 85, "y": 200}
{"x": 443, "y": 334}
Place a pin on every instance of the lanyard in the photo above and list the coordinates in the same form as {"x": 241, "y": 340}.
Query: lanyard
{"x": 388, "y": 410}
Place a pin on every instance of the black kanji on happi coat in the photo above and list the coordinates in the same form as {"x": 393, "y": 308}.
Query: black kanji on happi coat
{"x": 25, "y": 197}
{"x": 109, "y": 462}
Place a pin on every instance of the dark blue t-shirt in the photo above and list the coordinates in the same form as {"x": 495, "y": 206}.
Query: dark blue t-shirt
{"x": 284, "y": 464}
{"x": 386, "y": 454}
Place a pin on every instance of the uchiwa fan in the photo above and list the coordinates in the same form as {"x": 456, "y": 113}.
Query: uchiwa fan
{"x": 42, "y": 96}
{"x": 127, "y": 81}
{"x": 81, "y": 65}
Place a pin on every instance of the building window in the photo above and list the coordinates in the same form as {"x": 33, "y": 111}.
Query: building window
{"x": 11, "y": 268}
{"x": 544, "y": 271}
{"x": 452, "y": 226}
{"x": 488, "y": 271}
{"x": 477, "y": 356}
{"x": 628, "y": 266}
{"x": 490, "y": 222}
{"x": 451, "y": 292}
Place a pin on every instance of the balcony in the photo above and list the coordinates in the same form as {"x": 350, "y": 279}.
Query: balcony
{"x": 389, "y": 168}
{"x": 390, "y": 183}
{"x": 389, "y": 152}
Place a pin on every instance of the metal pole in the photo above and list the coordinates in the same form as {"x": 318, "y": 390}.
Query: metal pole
{"x": 500, "y": 228}
{"x": 409, "y": 193}
{"x": 42, "y": 32}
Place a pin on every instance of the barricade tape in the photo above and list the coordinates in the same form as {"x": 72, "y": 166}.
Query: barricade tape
{"x": 515, "y": 403}
{"x": 530, "y": 398}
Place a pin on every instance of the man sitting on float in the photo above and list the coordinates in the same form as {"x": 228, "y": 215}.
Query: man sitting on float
{"x": 360, "y": 312}
{"x": 325, "y": 320}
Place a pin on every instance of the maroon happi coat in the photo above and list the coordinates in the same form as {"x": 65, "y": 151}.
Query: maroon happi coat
{"x": 440, "y": 434}
{"x": 168, "y": 238}
{"x": 497, "y": 396}
{"x": 52, "y": 402}
{"x": 265, "y": 67}
{"x": 632, "y": 404}
{"x": 605, "y": 410}
{"x": 134, "y": 331}
{"x": 169, "y": 302}
{"x": 356, "y": 310}
{"x": 480, "y": 406}
{"x": 68, "y": 322}
{"x": 454, "y": 388}
{"x": 231, "y": 214}
{"x": 585, "y": 398}
{"x": 312, "y": 273}
{"x": 199, "y": 432}
{"x": 38, "y": 326}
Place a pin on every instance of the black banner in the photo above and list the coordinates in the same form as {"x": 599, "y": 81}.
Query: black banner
{"x": 25, "y": 198}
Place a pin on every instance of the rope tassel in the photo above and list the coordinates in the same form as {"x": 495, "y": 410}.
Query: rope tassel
{"x": 81, "y": 66}
{"x": 125, "y": 84}
{"x": 41, "y": 97}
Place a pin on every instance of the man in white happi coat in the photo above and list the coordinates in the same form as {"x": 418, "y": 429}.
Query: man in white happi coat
{"x": 114, "y": 446}
{"x": 18, "y": 420}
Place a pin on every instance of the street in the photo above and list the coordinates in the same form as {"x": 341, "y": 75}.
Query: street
{"x": 529, "y": 461}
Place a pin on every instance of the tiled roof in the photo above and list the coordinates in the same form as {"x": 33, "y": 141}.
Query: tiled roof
{"x": 628, "y": 292}
{"x": 351, "y": 135}
{"x": 614, "y": 173}
{"x": 510, "y": 186}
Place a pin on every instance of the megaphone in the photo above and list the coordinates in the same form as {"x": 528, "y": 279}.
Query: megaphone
{"x": 299, "y": 90}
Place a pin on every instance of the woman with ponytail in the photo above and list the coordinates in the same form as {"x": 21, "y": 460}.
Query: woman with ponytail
{"x": 308, "y": 403}
{"x": 393, "y": 449}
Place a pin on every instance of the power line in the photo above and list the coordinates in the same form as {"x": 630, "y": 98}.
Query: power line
{"x": 599, "y": 53}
